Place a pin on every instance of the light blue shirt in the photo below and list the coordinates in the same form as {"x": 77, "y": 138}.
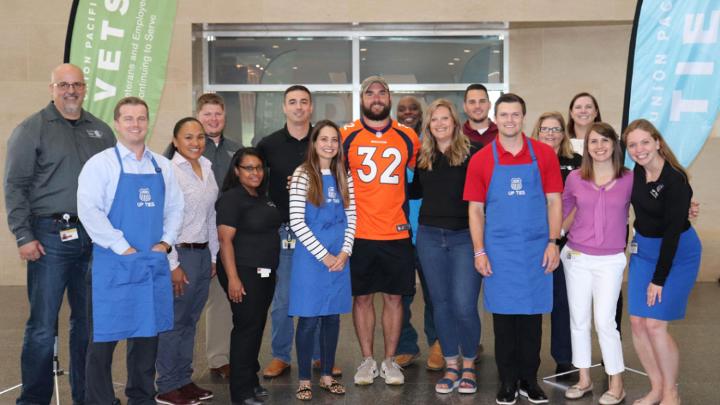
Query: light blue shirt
{"x": 96, "y": 191}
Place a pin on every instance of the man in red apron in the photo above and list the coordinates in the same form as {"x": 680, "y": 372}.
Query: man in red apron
{"x": 133, "y": 207}
{"x": 515, "y": 214}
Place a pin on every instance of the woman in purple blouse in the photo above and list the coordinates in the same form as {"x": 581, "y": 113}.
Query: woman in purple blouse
{"x": 594, "y": 256}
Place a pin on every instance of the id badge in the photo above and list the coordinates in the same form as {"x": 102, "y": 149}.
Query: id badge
{"x": 572, "y": 253}
{"x": 288, "y": 244}
{"x": 263, "y": 272}
{"x": 69, "y": 234}
{"x": 633, "y": 248}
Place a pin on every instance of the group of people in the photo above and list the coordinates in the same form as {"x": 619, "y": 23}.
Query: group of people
{"x": 314, "y": 221}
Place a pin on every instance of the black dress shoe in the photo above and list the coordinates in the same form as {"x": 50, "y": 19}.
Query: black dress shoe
{"x": 260, "y": 391}
{"x": 532, "y": 391}
{"x": 507, "y": 394}
{"x": 564, "y": 368}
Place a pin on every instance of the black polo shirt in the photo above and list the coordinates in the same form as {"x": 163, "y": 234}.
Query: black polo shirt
{"x": 282, "y": 154}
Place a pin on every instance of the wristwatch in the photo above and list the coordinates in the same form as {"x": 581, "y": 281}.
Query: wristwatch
{"x": 553, "y": 240}
{"x": 168, "y": 248}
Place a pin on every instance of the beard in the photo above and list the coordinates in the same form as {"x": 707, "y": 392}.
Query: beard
{"x": 369, "y": 114}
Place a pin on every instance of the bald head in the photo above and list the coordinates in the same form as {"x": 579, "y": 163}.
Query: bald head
{"x": 67, "y": 88}
{"x": 409, "y": 112}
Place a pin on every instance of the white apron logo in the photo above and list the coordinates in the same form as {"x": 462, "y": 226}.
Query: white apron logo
{"x": 145, "y": 198}
{"x": 516, "y": 186}
{"x": 332, "y": 196}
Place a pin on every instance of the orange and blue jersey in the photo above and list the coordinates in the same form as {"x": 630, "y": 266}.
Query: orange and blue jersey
{"x": 378, "y": 160}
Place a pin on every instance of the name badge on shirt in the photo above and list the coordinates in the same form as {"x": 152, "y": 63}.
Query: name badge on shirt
{"x": 633, "y": 248}
{"x": 288, "y": 244}
{"x": 67, "y": 235}
{"x": 263, "y": 272}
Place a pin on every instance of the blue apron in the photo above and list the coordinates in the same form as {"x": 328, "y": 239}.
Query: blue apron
{"x": 132, "y": 294}
{"x": 516, "y": 236}
{"x": 315, "y": 291}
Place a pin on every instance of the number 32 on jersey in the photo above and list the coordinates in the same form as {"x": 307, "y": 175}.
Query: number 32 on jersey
{"x": 369, "y": 169}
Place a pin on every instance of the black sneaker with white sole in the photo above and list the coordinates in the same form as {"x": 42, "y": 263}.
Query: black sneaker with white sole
{"x": 507, "y": 395}
{"x": 533, "y": 392}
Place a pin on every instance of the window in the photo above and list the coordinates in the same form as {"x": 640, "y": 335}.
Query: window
{"x": 251, "y": 67}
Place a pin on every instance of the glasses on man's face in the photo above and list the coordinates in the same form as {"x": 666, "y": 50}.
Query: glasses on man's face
{"x": 65, "y": 86}
{"x": 251, "y": 169}
{"x": 554, "y": 130}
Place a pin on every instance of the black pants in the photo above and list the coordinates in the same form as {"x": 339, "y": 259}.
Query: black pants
{"x": 517, "y": 346}
{"x": 140, "y": 359}
{"x": 249, "y": 318}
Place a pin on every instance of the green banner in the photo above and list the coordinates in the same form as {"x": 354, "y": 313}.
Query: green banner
{"x": 122, "y": 48}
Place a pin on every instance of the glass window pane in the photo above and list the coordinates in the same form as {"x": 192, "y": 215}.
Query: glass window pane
{"x": 433, "y": 59}
{"x": 279, "y": 60}
{"x": 252, "y": 116}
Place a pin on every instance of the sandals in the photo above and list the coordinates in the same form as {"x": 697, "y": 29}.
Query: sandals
{"x": 304, "y": 393}
{"x": 449, "y": 384}
{"x": 468, "y": 385}
{"x": 334, "y": 387}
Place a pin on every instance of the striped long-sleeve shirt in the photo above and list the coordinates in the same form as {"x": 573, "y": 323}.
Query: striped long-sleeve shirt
{"x": 298, "y": 200}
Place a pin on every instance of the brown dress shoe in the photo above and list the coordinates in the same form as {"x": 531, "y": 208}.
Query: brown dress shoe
{"x": 404, "y": 360}
{"x": 275, "y": 368}
{"x": 336, "y": 371}
{"x": 222, "y": 371}
{"x": 193, "y": 391}
{"x": 435, "y": 361}
{"x": 175, "y": 397}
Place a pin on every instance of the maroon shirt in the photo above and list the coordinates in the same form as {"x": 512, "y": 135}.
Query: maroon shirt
{"x": 475, "y": 137}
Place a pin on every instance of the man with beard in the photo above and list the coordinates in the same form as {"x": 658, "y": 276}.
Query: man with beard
{"x": 44, "y": 158}
{"x": 379, "y": 151}
{"x": 478, "y": 127}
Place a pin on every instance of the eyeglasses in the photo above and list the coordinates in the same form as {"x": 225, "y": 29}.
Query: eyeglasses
{"x": 251, "y": 169}
{"x": 65, "y": 86}
{"x": 551, "y": 129}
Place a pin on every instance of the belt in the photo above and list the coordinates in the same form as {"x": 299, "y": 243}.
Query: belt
{"x": 64, "y": 216}
{"x": 196, "y": 246}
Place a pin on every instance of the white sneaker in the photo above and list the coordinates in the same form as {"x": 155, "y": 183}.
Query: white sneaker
{"x": 366, "y": 372}
{"x": 391, "y": 373}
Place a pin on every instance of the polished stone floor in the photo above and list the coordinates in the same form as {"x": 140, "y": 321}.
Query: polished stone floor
{"x": 697, "y": 337}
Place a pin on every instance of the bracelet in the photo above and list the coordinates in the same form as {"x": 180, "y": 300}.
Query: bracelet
{"x": 480, "y": 252}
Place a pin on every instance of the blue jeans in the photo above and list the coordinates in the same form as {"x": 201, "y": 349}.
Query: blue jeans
{"x": 408, "y": 342}
{"x": 454, "y": 287}
{"x": 64, "y": 265}
{"x": 175, "y": 347}
{"x": 282, "y": 324}
{"x": 307, "y": 327}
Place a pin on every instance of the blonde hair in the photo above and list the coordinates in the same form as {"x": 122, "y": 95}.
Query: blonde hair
{"x": 459, "y": 146}
{"x": 566, "y": 149}
{"x": 664, "y": 150}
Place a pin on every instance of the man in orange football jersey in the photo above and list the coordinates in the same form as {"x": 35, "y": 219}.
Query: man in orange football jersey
{"x": 379, "y": 150}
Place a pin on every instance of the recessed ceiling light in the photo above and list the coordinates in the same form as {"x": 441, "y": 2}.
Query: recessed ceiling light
{"x": 295, "y": 68}
{"x": 451, "y": 63}
{"x": 466, "y": 50}
{"x": 363, "y": 49}
{"x": 276, "y": 46}
{"x": 456, "y": 59}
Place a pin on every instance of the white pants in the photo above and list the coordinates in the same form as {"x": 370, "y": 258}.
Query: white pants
{"x": 593, "y": 286}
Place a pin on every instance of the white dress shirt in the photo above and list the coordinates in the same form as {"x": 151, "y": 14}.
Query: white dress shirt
{"x": 98, "y": 182}
{"x": 200, "y": 194}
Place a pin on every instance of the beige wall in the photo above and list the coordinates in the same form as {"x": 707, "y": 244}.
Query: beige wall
{"x": 557, "y": 48}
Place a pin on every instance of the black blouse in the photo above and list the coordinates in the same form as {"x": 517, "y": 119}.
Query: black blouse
{"x": 442, "y": 189}
{"x": 661, "y": 211}
{"x": 569, "y": 164}
{"x": 256, "y": 242}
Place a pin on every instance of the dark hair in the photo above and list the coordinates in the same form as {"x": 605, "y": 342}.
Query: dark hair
{"x": 171, "y": 149}
{"x": 571, "y": 122}
{"x": 129, "y": 101}
{"x": 475, "y": 86}
{"x": 587, "y": 171}
{"x": 231, "y": 179}
{"x": 337, "y": 167}
{"x": 297, "y": 87}
{"x": 210, "y": 98}
{"x": 510, "y": 98}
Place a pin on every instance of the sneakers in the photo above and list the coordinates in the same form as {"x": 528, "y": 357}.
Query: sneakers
{"x": 532, "y": 391}
{"x": 392, "y": 373}
{"x": 175, "y": 397}
{"x": 507, "y": 395}
{"x": 366, "y": 372}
